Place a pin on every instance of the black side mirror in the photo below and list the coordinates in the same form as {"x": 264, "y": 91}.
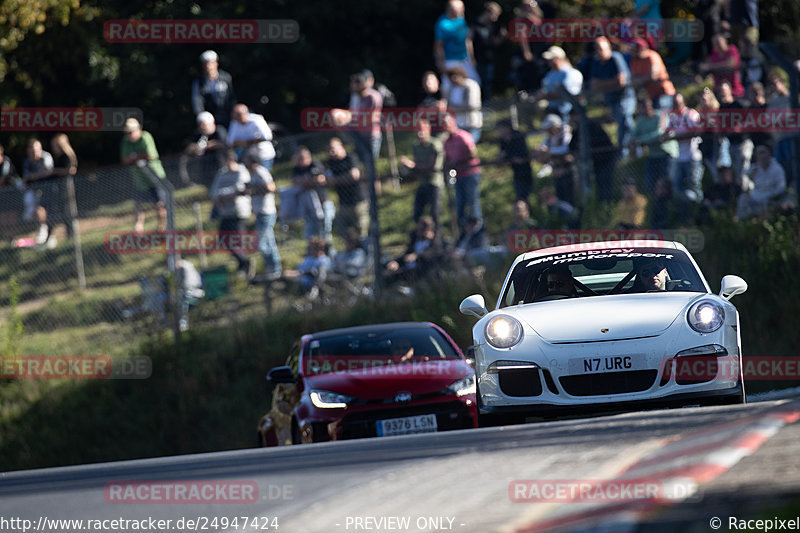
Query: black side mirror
{"x": 281, "y": 374}
{"x": 470, "y": 356}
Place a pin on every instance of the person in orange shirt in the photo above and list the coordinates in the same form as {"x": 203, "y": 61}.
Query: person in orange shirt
{"x": 649, "y": 73}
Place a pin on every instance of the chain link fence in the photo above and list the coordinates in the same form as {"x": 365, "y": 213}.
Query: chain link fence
{"x": 77, "y": 283}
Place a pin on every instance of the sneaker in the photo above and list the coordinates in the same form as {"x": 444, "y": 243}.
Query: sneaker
{"x": 42, "y": 234}
{"x": 51, "y": 242}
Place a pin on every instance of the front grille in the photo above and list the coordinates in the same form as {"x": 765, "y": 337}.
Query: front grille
{"x": 522, "y": 382}
{"x": 450, "y": 415}
{"x": 608, "y": 383}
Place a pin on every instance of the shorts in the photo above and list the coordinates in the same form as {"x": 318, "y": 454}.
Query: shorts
{"x": 152, "y": 195}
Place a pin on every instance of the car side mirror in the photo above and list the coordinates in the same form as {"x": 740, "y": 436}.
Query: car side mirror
{"x": 469, "y": 356}
{"x": 473, "y": 305}
{"x": 731, "y": 286}
{"x": 281, "y": 374}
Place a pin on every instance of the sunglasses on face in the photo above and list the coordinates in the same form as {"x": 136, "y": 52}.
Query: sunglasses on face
{"x": 556, "y": 284}
{"x": 651, "y": 271}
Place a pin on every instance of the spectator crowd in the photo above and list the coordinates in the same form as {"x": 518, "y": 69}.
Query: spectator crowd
{"x": 690, "y": 168}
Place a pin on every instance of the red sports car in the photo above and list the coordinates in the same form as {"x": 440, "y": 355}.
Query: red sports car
{"x": 378, "y": 380}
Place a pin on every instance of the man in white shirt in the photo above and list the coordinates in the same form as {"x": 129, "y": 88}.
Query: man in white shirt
{"x": 561, "y": 75}
{"x": 250, "y": 129}
{"x": 767, "y": 182}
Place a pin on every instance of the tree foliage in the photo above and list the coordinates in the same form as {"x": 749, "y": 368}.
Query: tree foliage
{"x": 53, "y": 53}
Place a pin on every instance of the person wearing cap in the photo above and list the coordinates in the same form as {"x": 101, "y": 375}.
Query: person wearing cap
{"x": 209, "y": 144}
{"x": 648, "y": 72}
{"x": 555, "y": 153}
{"x": 631, "y": 208}
{"x": 611, "y": 78}
{"x": 561, "y": 76}
{"x": 138, "y": 150}
{"x": 452, "y": 44}
{"x": 213, "y": 91}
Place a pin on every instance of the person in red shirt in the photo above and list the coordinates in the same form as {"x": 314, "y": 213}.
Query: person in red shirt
{"x": 648, "y": 72}
{"x": 460, "y": 155}
{"x": 724, "y": 64}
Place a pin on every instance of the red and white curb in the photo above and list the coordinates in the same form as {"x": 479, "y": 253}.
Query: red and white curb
{"x": 687, "y": 461}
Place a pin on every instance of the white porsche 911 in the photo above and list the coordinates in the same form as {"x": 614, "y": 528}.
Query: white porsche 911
{"x": 602, "y": 326}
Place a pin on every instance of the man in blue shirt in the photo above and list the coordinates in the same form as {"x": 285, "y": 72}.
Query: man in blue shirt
{"x": 612, "y": 78}
{"x": 452, "y": 45}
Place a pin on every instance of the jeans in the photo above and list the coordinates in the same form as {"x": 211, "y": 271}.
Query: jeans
{"x": 238, "y": 225}
{"x": 486, "y": 73}
{"x": 476, "y": 134}
{"x": 656, "y": 168}
{"x": 430, "y": 195}
{"x": 265, "y": 224}
{"x": 468, "y": 198}
{"x": 688, "y": 180}
{"x": 622, "y": 111}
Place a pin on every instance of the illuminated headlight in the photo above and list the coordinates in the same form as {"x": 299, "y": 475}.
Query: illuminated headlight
{"x": 329, "y": 400}
{"x": 706, "y": 316}
{"x": 499, "y": 366}
{"x": 462, "y": 387}
{"x": 503, "y": 331}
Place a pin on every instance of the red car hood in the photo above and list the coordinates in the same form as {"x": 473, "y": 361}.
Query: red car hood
{"x": 415, "y": 377}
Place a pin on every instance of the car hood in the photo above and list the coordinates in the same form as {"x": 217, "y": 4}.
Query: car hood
{"x": 603, "y": 318}
{"x": 415, "y": 377}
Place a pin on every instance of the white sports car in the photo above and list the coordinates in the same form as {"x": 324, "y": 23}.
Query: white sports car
{"x": 606, "y": 325}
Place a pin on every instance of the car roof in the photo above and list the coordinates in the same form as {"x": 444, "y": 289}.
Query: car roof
{"x": 605, "y": 245}
{"x": 355, "y": 330}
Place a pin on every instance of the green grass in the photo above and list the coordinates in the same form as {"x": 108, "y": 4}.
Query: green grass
{"x": 209, "y": 393}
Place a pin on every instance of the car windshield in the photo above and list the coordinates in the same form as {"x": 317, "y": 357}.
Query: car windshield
{"x": 355, "y": 351}
{"x": 601, "y": 272}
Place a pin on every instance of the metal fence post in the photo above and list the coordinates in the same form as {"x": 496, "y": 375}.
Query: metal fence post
{"x": 72, "y": 209}
{"x": 175, "y": 287}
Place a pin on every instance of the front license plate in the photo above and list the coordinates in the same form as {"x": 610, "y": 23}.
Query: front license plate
{"x": 407, "y": 425}
{"x": 610, "y": 363}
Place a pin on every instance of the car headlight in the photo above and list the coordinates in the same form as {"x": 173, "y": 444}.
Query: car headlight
{"x": 706, "y": 316}
{"x": 462, "y": 387}
{"x": 329, "y": 400}
{"x": 503, "y": 331}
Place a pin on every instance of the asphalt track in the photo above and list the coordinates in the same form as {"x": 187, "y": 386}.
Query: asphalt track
{"x": 701, "y": 463}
